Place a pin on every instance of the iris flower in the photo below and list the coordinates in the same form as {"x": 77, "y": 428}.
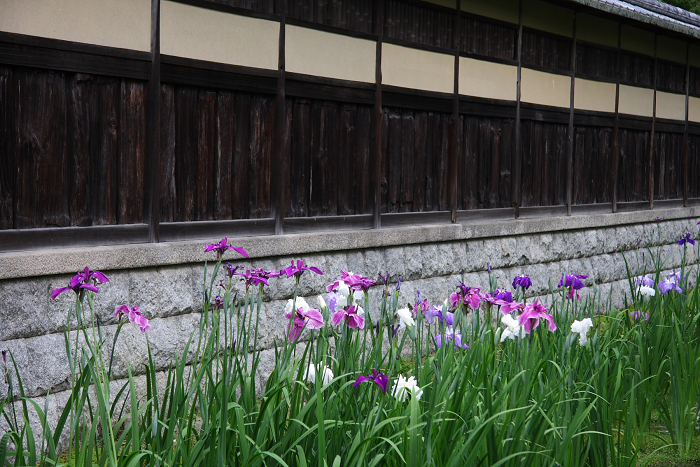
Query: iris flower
{"x": 637, "y": 315}
{"x": 497, "y": 296}
{"x": 351, "y": 317}
{"x": 573, "y": 283}
{"x": 582, "y": 327}
{"x": 308, "y": 318}
{"x": 222, "y": 246}
{"x": 250, "y": 278}
{"x": 134, "y": 316}
{"x": 85, "y": 279}
{"x": 298, "y": 268}
{"x": 377, "y": 376}
{"x": 403, "y": 387}
{"x": 470, "y": 296}
{"x": 686, "y": 238}
{"x": 405, "y": 318}
{"x": 512, "y": 329}
{"x": 523, "y": 280}
{"x": 326, "y": 376}
{"x": 530, "y": 318}
{"x": 451, "y": 336}
{"x": 671, "y": 283}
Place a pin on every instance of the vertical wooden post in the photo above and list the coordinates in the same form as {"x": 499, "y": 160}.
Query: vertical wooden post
{"x": 570, "y": 142}
{"x": 280, "y": 168}
{"x": 616, "y": 148}
{"x": 454, "y": 135}
{"x": 516, "y": 186}
{"x": 152, "y": 179}
{"x": 376, "y": 165}
{"x": 653, "y": 124}
{"x": 685, "y": 135}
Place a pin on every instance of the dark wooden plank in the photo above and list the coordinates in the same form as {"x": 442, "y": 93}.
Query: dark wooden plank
{"x": 407, "y": 162}
{"x": 570, "y": 139}
{"x": 650, "y": 170}
{"x": 455, "y": 129}
{"x": 205, "y": 156}
{"x": 42, "y": 199}
{"x": 186, "y": 126}
{"x": 280, "y": 175}
{"x": 263, "y": 118}
{"x": 393, "y": 161}
{"x": 168, "y": 138}
{"x": 189, "y": 72}
{"x": 132, "y": 148}
{"x": 616, "y": 147}
{"x": 420, "y": 160}
{"x": 240, "y": 190}
{"x": 362, "y": 160}
{"x": 516, "y": 189}
{"x": 225, "y": 138}
{"x": 685, "y": 132}
{"x": 377, "y": 120}
{"x": 65, "y": 237}
{"x": 411, "y": 219}
{"x": 347, "y": 146}
{"x": 300, "y": 163}
{"x": 151, "y": 192}
{"x": 7, "y": 149}
{"x": 255, "y": 8}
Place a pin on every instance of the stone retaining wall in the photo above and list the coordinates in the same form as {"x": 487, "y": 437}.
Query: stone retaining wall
{"x": 166, "y": 280}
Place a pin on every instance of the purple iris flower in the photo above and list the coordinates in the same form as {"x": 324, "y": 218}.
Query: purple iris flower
{"x": 470, "y": 296}
{"x": 134, "y": 316}
{"x": 686, "y": 238}
{"x": 658, "y": 219}
{"x": 451, "y": 336}
{"x": 312, "y": 319}
{"x": 644, "y": 281}
{"x": 385, "y": 278}
{"x": 530, "y": 318}
{"x": 488, "y": 267}
{"x": 260, "y": 272}
{"x": 332, "y": 301}
{"x": 671, "y": 283}
{"x": 398, "y": 285}
{"x": 85, "y": 279}
{"x": 523, "y": 280}
{"x": 350, "y": 316}
{"x": 357, "y": 283}
{"x": 637, "y": 315}
{"x": 377, "y": 376}
{"x": 497, "y": 296}
{"x": 251, "y": 279}
{"x": 218, "y": 302}
{"x": 221, "y": 248}
{"x": 231, "y": 269}
{"x": 431, "y": 312}
{"x": 298, "y": 268}
{"x": 509, "y": 307}
{"x": 572, "y": 282}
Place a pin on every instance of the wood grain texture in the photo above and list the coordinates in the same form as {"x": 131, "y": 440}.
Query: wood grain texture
{"x": 7, "y": 153}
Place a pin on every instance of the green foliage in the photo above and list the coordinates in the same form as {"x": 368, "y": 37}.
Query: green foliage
{"x": 543, "y": 400}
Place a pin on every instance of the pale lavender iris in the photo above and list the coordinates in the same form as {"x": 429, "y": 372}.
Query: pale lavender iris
{"x": 332, "y": 301}
{"x": 84, "y": 280}
{"x": 222, "y": 246}
{"x": 523, "y": 280}
{"x": 377, "y": 377}
{"x": 637, "y": 315}
{"x": 530, "y": 318}
{"x": 671, "y": 283}
{"x": 312, "y": 319}
{"x": 455, "y": 337}
{"x": 297, "y": 269}
{"x": 644, "y": 281}
{"x": 349, "y": 316}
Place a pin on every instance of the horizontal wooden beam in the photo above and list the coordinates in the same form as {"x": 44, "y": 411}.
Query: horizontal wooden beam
{"x": 181, "y": 231}
{"x": 65, "y": 237}
{"x": 295, "y": 225}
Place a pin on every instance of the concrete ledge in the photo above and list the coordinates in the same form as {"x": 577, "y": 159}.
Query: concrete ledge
{"x": 68, "y": 260}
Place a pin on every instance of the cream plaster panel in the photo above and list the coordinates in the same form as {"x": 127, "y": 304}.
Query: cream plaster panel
{"x": 543, "y": 88}
{"x": 113, "y": 23}
{"x": 671, "y": 49}
{"x": 320, "y": 53}
{"x": 694, "y": 109}
{"x": 636, "y": 101}
{"x": 596, "y": 30}
{"x": 487, "y": 79}
{"x": 670, "y": 106}
{"x": 504, "y": 10}
{"x": 594, "y": 95}
{"x": 417, "y": 69}
{"x": 198, "y": 33}
{"x": 637, "y": 40}
{"x": 547, "y": 17}
{"x": 694, "y": 57}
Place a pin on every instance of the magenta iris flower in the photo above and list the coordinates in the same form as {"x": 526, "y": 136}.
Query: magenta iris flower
{"x": 530, "y": 318}
{"x": 222, "y": 246}
{"x": 297, "y": 269}
{"x": 455, "y": 337}
{"x": 350, "y": 316}
{"x": 510, "y": 307}
{"x": 686, "y": 238}
{"x": 377, "y": 377}
{"x": 251, "y": 278}
{"x": 231, "y": 269}
{"x": 134, "y": 316}
{"x": 260, "y": 272}
{"x": 497, "y": 296}
{"x": 470, "y": 296}
{"x": 311, "y": 319}
{"x": 85, "y": 279}
{"x": 523, "y": 280}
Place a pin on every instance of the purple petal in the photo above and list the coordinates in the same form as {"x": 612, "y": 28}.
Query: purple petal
{"x": 240, "y": 250}
{"x": 99, "y": 276}
{"x": 361, "y": 379}
{"x": 337, "y": 317}
{"x": 57, "y": 292}
{"x": 89, "y": 287}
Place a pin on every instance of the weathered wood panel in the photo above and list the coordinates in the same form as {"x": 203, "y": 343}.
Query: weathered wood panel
{"x": 694, "y": 80}
{"x": 670, "y": 77}
{"x": 263, "y": 6}
{"x": 633, "y": 176}
{"x": 7, "y": 153}
{"x": 489, "y": 39}
{"x": 636, "y": 69}
{"x": 668, "y": 167}
{"x": 485, "y": 162}
{"x": 132, "y": 152}
{"x": 546, "y": 51}
{"x": 420, "y": 24}
{"x": 355, "y": 15}
{"x": 592, "y": 162}
{"x": 543, "y": 163}
{"x": 595, "y": 61}
{"x": 693, "y": 166}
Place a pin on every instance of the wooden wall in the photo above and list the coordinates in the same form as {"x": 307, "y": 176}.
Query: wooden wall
{"x": 73, "y": 144}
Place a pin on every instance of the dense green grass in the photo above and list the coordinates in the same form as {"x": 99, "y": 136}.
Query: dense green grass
{"x": 540, "y": 400}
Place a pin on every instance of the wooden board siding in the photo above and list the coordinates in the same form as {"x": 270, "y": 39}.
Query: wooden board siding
{"x": 592, "y": 162}
{"x": 355, "y": 15}
{"x": 488, "y": 39}
{"x": 217, "y": 162}
{"x": 596, "y": 62}
{"x": 543, "y": 163}
{"x": 543, "y": 50}
{"x": 73, "y": 149}
{"x": 633, "y": 175}
{"x": 420, "y": 24}
{"x": 668, "y": 169}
